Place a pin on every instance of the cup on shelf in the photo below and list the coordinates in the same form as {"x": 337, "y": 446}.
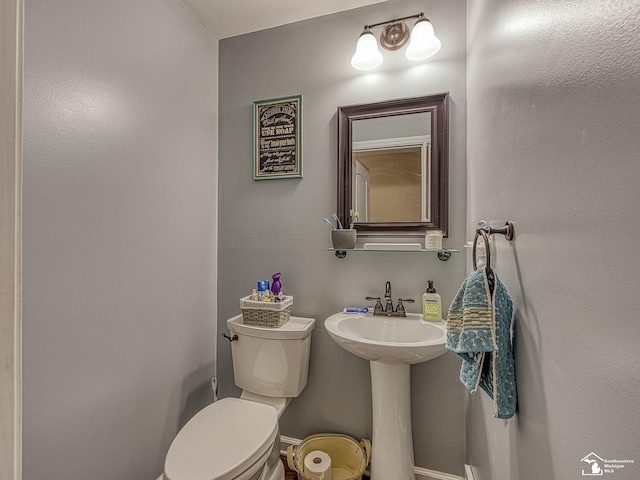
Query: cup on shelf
{"x": 343, "y": 239}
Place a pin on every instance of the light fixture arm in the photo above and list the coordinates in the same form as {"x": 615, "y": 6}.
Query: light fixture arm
{"x": 397, "y": 20}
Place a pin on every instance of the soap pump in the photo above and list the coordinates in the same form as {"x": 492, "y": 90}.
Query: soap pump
{"x": 431, "y": 304}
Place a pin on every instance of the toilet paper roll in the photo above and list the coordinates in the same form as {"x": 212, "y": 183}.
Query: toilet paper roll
{"x": 318, "y": 463}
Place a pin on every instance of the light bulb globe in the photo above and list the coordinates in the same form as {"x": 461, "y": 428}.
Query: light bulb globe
{"x": 424, "y": 43}
{"x": 367, "y": 56}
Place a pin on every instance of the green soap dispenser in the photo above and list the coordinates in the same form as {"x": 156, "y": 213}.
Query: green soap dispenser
{"x": 431, "y": 304}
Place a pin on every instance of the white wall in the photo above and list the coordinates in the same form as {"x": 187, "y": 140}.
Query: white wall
{"x": 276, "y": 225}
{"x": 120, "y": 214}
{"x": 553, "y": 115}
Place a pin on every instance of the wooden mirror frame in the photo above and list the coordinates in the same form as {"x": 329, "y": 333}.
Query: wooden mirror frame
{"x": 437, "y": 106}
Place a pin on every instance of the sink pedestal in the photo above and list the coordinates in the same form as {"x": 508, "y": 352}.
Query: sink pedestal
{"x": 392, "y": 439}
{"x": 392, "y": 345}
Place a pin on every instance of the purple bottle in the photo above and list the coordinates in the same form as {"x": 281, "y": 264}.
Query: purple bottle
{"x": 276, "y": 286}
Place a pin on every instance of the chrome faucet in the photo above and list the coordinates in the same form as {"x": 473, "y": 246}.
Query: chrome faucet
{"x": 387, "y": 298}
{"x": 388, "y": 309}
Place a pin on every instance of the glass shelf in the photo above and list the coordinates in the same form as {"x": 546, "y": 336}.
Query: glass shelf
{"x": 444, "y": 254}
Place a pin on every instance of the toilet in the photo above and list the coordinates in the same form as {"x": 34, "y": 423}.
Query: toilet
{"x": 239, "y": 438}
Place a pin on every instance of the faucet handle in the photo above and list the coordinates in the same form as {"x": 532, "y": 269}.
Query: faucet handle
{"x": 400, "y": 307}
{"x": 378, "y": 306}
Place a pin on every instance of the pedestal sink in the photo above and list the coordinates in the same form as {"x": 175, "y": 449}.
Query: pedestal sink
{"x": 391, "y": 344}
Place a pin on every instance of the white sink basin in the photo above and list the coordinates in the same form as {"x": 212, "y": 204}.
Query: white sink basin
{"x": 388, "y": 340}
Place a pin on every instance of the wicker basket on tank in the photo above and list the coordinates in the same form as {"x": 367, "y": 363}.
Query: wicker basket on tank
{"x": 266, "y": 314}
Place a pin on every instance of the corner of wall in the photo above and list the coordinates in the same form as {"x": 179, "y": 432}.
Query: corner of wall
{"x": 11, "y": 54}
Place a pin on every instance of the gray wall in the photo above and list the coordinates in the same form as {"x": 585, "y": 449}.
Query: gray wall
{"x": 11, "y": 24}
{"x": 120, "y": 206}
{"x": 553, "y": 115}
{"x": 276, "y": 225}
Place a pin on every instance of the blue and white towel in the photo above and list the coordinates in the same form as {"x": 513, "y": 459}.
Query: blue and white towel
{"x": 479, "y": 331}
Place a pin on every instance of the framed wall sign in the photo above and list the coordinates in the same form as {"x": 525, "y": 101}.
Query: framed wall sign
{"x": 277, "y": 138}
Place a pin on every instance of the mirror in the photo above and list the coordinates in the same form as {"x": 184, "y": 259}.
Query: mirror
{"x": 393, "y": 165}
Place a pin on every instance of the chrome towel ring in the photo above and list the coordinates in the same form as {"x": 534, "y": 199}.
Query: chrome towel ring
{"x": 508, "y": 231}
{"x": 481, "y": 232}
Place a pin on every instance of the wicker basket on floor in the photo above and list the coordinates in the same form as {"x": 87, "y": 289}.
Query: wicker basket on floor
{"x": 349, "y": 458}
{"x": 266, "y": 314}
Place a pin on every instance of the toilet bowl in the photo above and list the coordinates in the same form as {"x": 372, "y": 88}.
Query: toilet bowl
{"x": 229, "y": 439}
{"x": 239, "y": 438}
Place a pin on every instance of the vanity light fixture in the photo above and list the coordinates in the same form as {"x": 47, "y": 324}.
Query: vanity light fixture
{"x": 423, "y": 42}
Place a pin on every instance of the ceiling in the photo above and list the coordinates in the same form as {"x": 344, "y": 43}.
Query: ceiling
{"x": 228, "y": 18}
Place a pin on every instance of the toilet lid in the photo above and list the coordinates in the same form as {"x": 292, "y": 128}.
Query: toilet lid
{"x": 221, "y": 441}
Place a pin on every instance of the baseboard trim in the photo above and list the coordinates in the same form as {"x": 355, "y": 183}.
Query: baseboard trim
{"x": 426, "y": 474}
{"x": 469, "y": 472}
{"x": 421, "y": 473}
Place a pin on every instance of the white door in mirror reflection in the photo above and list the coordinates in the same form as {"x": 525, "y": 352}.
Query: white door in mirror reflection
{"x": 361, "y": 190}
{"x": 391, "y": 179}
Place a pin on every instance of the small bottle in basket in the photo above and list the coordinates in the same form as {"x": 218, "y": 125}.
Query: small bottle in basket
{"x": 276, "y": 287}
{"x": 263, "y": 287}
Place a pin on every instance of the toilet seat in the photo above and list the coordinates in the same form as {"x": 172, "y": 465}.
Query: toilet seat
{"x": 222, "y": 441}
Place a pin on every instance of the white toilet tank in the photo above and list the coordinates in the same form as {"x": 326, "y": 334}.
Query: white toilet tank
{"x": 271, "y": 361}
